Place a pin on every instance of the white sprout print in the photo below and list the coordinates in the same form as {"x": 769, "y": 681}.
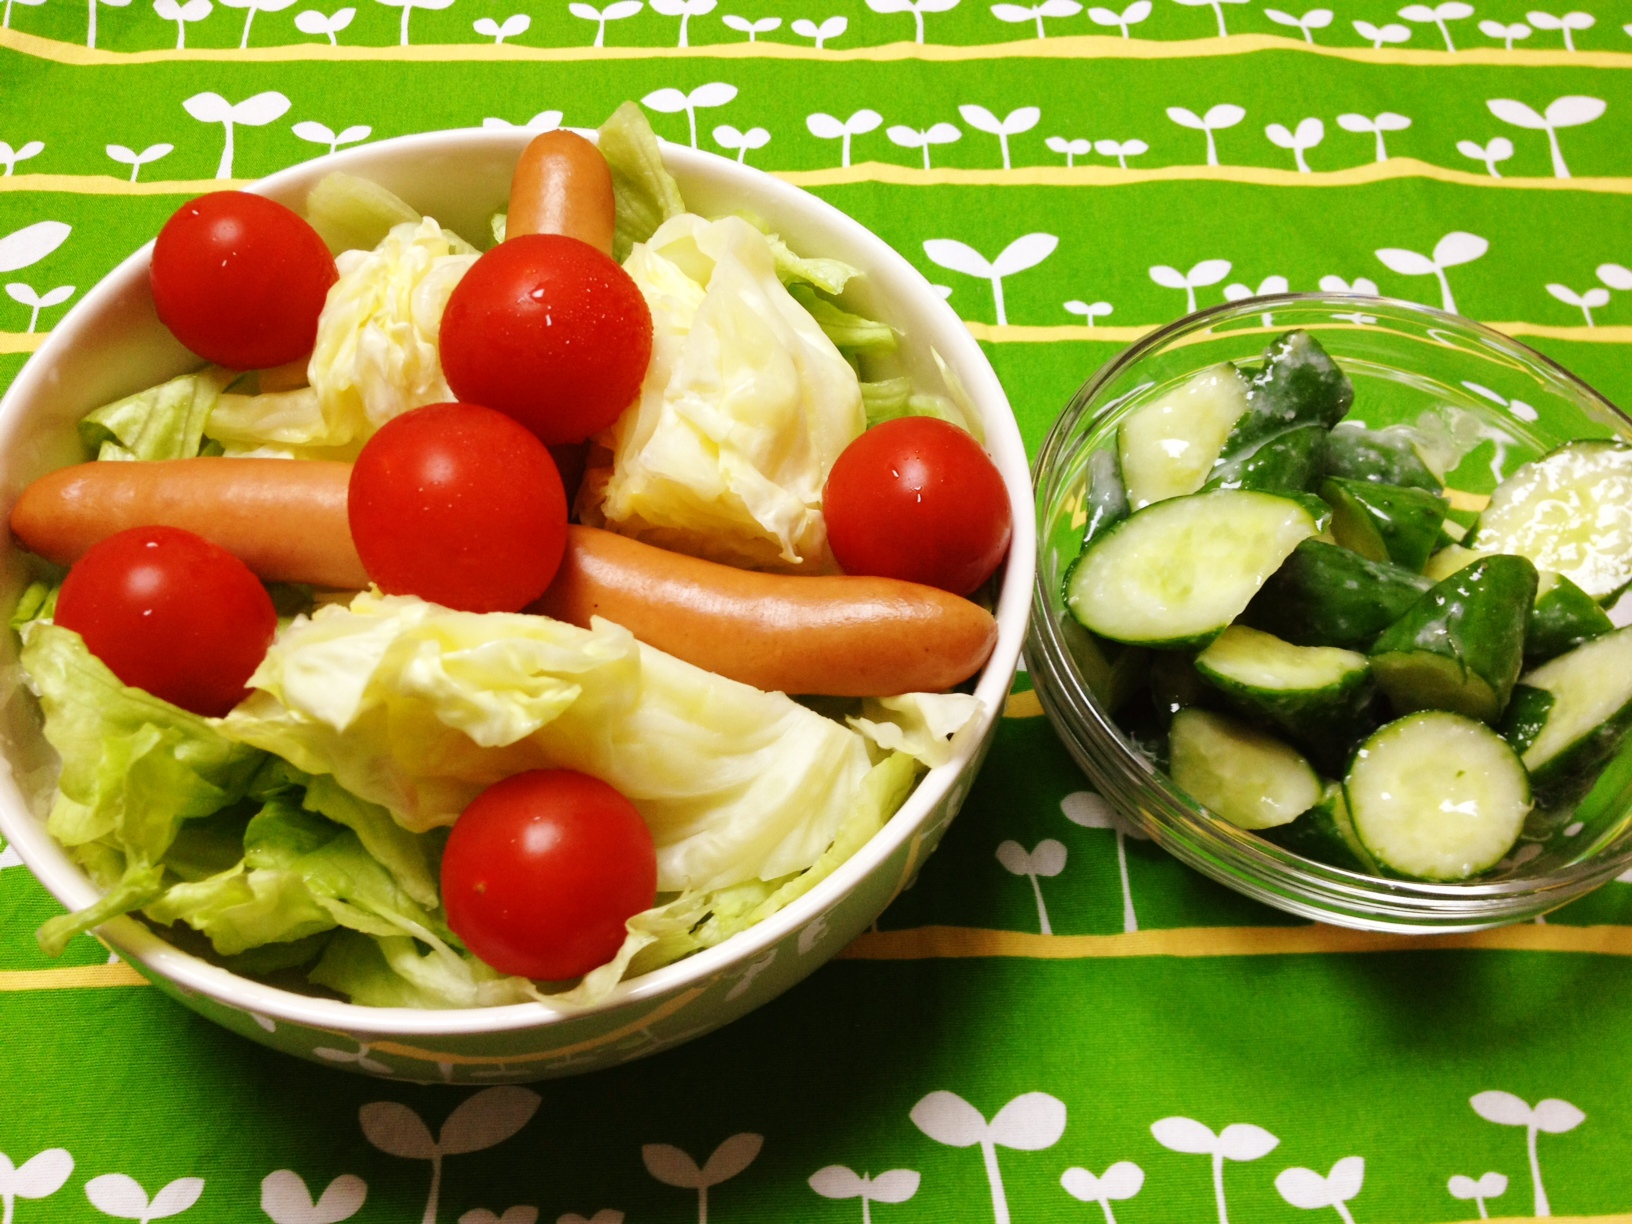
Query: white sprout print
{"x": 673, "y": 1167}
{"x": 480, "y": 1121}
{"x": 25, "y": 294}
{"x": 1314, "y": 19}
{"x": 1092, "y": 811}
{"x": 1393, "y": 32}
{"x": 912, "y": 138}
{"x": 916, "y": 7}
{"x": 672, "y": 101}
{"x": 1454, "y": 249}
{"x": 313, "y": 21}
{"x": 831, "y": 28}
{"x": 753, "y": 29}
{"x": 1336, "y": 284}
{"x": 1616, "y": 276}
{"x": 1239, "y": 1141}
{"x": 255, "y": 111}
{"x": 408, "y": 7}
{"x": 1090, "y": 311}
{"x": 616, "y": 11}
{"x": 1309, "y": 133}
{"x": 1499, "y": 149}
{"x": 182, "y": 14}
{"x": 1552, "y": 1115}
{"x": 1024, "y": 252}
{"x": 827, "y": 127}
{"x": 1491, "y": 1185}
{"x": 27, "y": 246}
{"x": 606, "y": 1215}
{"x": 318, "y": 133}
{"x": 135, "y": 160}
{"x": 1216, "y": 119}
{"x": 1207, "y": 272}
{"x": 286, "y": 1200}
{"x": 1122, "y": 1180}
{"x": 40, "y": 1176}
{"x": 731, "y": 140}
{"x": 9, "y": 157}
{"x": 685, "y": 10}
{"x": 1015, "y": 14}
{"x": 1388, "y": 121}
{"x": 1270, "y": 284}
{"x": 1046, "y": 860}
{"x": 10, "y": 858}
{"x": 1021, "y": 119}
{"x": 122, "y": 1197}
{"x": 745, "y": 981}
{"x": 1121, "y": 150}
{"x": 841, "y": 1182}
{"x": 5, "y": 22}
{"x": 90, "y": 24}
{"x": 1029, "y": 1123}
{"x": 1451, "y": 10}
{"x": 1072, "y": 149}
{"x": 1567, "y": 24}
{"x": 518, "y": 1214}
{"x": 1572, "y": 110}
{"x": 255, "y": 6}
{"x": 1507, "y": 33}
{"x": 1130, "y": 16}
{"x": 1218, "y": 11}
{"x": 1307, "y": 1189}
{"x": 518, "y": 23}
{"x": 1586, "y": 302}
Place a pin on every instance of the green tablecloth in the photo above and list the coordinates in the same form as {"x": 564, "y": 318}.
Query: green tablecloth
{"x": 1174, "y": 167}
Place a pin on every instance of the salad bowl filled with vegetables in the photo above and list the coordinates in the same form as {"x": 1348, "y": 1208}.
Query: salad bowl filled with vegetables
{"x": 1327, "y": 600}
{"x": 510, "y": 604}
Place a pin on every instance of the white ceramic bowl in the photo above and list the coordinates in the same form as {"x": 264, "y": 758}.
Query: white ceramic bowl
{"x": 112, "y": 344}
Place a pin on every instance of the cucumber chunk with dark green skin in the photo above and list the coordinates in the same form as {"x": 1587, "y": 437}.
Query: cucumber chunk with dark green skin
{"x": 1168, "y": 446}
{"x": 1436, "y": 796}
{"x": 1326, "y": 834}
{"x": 1460, "y": 647}
{"x": 1237, "y": 772}
{"x": 1288, "y": 462}
{"x": 1105, "y": 501}
{"x": 1386, "y": 456}
{"x": 1299, "y": 384}
{"x": 1569, "y": 715}
{"x": 1564, "y": 616}
{"x": 1176, "y": 685}
{"x": 1385, "y": 522}
{"x": 1325, "y": 595}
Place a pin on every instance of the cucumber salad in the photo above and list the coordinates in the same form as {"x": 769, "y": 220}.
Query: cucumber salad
{"x": 1283, "y": 612}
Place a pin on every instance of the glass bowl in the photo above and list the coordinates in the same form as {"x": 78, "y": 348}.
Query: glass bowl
{"x": 1481, "y": 389}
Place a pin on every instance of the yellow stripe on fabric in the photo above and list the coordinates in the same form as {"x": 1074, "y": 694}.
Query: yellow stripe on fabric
{"x": 78, "y": 977}
{"x": 955, "y": 943}
{"x": 1023, "y": 705}
{"x": 107, "y": 184}
{"x": 1621, "y": 1218}
{"x": 1078, "y": 46}
{"x": 21, "y": 342}
{"x": 1021, "y": 333}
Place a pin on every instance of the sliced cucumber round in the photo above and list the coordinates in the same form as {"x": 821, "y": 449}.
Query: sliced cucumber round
{"x": 1248, "y": 778}
{"x": 1178, "y": 572}
{"x": 1437, "y": 796}
{"x": 1326, "y": 834}
{"x": 1168, "y": 446}
{"x": 1283, "y": 678}
{"x": 1384, "y": 522}
{"x": 1574, "y": 709}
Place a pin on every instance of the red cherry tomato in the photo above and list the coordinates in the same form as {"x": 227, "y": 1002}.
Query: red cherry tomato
{"x": 459, "y": 505}
{"x": 547, "y": 329}
{"x": 240, "y": 280}
{"x": 171, "y": 613}
{"x": 917, "y": 498}
{"x": 543, "y": 869}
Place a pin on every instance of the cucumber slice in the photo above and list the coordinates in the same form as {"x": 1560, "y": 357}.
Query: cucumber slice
{"x": 1105, "y": 501}
{"x": 1569, "y": 512}
{"x": 1299, "y": 384}
{"x": 1176, "y": 573}
{"x": 1448, "y": 560}
{"x": 1437, "y": 796}
{"x": 1328, "y": 596}
{"x": 1289, "y": 462}
{"x": 1564, "y": 616}
{"x": 1248, "y": 778}
{"x": 1385, "y": 522}
{"x": 1175, "y": 684}
{"x": 1112, "y": 671}
{"x": 1568, "y": 715}
{"x": 1461, "y": 646}
{"x": 1387, "y": 456}
{"x": 1168, "y": 446}
{"x": 1326, "y": 834}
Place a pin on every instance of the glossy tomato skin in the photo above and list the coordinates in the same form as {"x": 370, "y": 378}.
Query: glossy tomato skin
{"x": 171, "y": 613}
{"x": 459, "y": 505}
{"x": 918, "y": 499}
{"x": 543, "y": 869}
{"x": 550, "y": 331}
{"x": 241, "y": 279}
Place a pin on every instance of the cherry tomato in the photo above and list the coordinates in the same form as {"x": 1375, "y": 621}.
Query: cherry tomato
{"x": 547, "y": 329}
{"x": 171, "y": 613}
{"x": 459, "y": 505}
{"x": 240, "y": 280}
{"x": 917, "y": 498}
{"x": 542, "y": 871}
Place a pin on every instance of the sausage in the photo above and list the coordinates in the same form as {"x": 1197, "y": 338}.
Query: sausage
{"x": 562, "y": 185}
{"x": 284, "y": 519}
{"x": 843, "y": 636}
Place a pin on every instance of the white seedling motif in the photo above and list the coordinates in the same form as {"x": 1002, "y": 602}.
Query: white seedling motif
{"x": 1307, "y": 1189}
{"x": 1454, "y": 249}
{"x": 1567, "y": 24}
{"x": 1217, "y": 118}
{"x": 255, "y": 6}
{"x": 1207, "y": 272}
{"x": 616, "y": 11}
{"x": 916, "y": 7}
{"x": 408, "y": 7}
{"x": 1438, "y": 15}
{"x": 1552, "y": 1115}
{"x": 1015, "y": 14}
{"x": 1491, "y": 1185}
{"x": 135, "y": 160}
{"x": 1309, "y": 133}
{"x": 1270, "y": 284}
{"x": 123, "y": 1198}
{"x": 544, "y": 121}
{"x": 1572, "y": 110}
{"x": 1021, "y": 119}
{"x": 313, "y": 21}
{"x": 1585, "y": 302}
{"x": 1090, "y": 311}
{"x": 1314, "y": 19}
{"x": 1507, "y": 33}
{"x": 1388, "y": 121}
{"x": 42, "y": 1174}
{"x": 912, "y": 138}
{"x": 1121, "y": 150}
{"x": 1092, "y": 811}
{"x": 5, "y": 22}
{"x": 1393, "y": 32}
{"x": 1026, "y": 251}
{"x": 672, "y": 101}
{"x": 755, "y": 967}
{"x": 730, "y": 139}
{"x": 1499, "y": 149}
{"x": 606, "y": 1215}
{"x": 481, "y": 1121}
{"x": 1029, "y": 1123}
{"x": 1130, "y": 16}
{"x": 1616, "y": 276}
{"x": 1072, "y": 149}
{"x": 1336, "y": 284}
{"x": 318, "y": 133}
{"x": 1045, "y": 861}
{"x": 752, "y": 28}
{"x": 37, "y": 302}
{"x": 829, "y": 127}
{"x": 518, "y": 1214}
{"x": 840, "y": 1182}
{"x": 518, "y": 23}
{"x": 685, "y": 10}
{"x": 1218, "y": 11}
{"x": 1122, "y": 1180}
{"x": 286, "y": 1200}
{"x": 9, "y": 157}
{"x": 25, "y": 247}
{"x": 1239, "y": 1141}
{"x": 10, "y": 858}
{"x": 673, "y": 1167}
{"x": 90, "y": 24}
{"x": 182, "y": 14}
{"x": 831, "y": 28}
{"x": 257, "y": 110}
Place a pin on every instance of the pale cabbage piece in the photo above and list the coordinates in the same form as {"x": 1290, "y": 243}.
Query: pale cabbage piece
{"x": 924, "y": 726}
{"x": 275, "y": 425}
{"x": 744, "y": 408}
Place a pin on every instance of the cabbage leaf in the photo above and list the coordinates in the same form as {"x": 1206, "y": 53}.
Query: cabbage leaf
{"x": 163, "y": 422}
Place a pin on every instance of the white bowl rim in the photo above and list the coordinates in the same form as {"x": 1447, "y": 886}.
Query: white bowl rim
{"x": 1003, "y": 442}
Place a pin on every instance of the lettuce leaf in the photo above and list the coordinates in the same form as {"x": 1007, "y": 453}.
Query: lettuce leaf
{"x": 163, "y": 422}
{"x": 644, "y": 193}
{"x": 849, "y": 332}
{"x": 355, "y": 214}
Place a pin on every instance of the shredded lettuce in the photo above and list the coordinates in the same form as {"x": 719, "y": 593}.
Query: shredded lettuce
{"x": 355, "y": 214}
{"x": 849, "y": 332}
{"x": 645, "y": 194}
{"x": 163, "y": 422}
